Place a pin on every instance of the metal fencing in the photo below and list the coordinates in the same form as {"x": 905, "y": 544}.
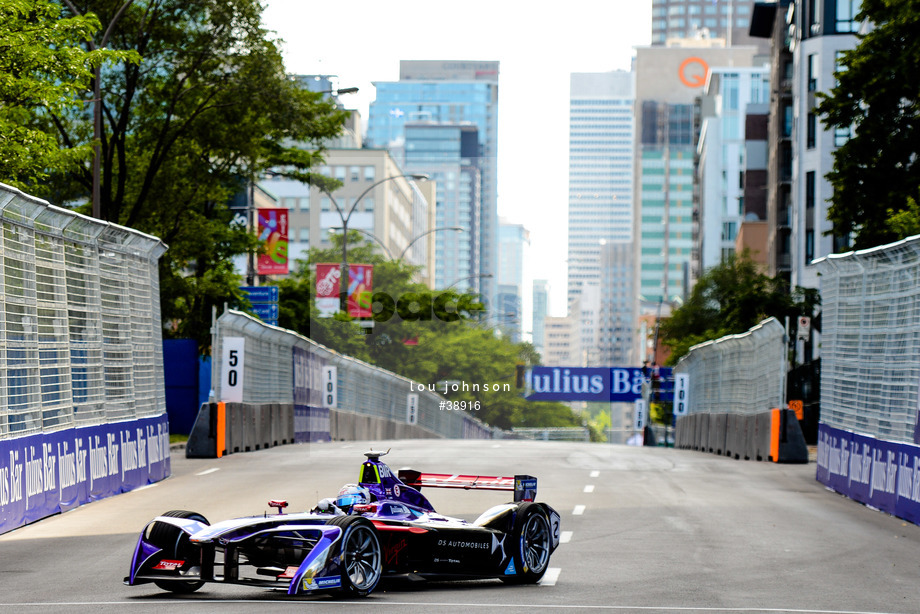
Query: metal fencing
{"x": 80, "y": 331}
{"x": 737, "y": 374}
{"x": 362, "y": 389}
{"x": 870, "y": 340}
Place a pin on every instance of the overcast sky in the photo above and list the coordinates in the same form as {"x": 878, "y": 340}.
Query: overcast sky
{"x": 362, "y": 41}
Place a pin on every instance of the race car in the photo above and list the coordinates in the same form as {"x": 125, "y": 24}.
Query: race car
{"x": 380, "y": 527}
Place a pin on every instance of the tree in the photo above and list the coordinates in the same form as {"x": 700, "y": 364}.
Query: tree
{"x": 204, "y": 113}
{"x": 426, "y": 350}
{"x": 877, "y": 96}
{"x": 729, "y": 299}
{"x": 43, "y": 70}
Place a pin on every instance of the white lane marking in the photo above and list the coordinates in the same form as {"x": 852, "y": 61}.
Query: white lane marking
{"x": 589, "y": 488}
{"x": 595, "y": 474}
{"x": 579, "y": 510}
{"x": 207, "y": 471}
{"x": 565, "y": 537}
{"x": 550, "y": 577}
{"x": 325, "y": 605}
{"x": 144, "y": 487}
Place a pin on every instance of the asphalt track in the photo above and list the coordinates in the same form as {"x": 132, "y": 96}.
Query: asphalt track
{"x": 644, "y": 530}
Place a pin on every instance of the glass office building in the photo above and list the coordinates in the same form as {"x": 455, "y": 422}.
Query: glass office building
{"x": 461, "y": 97}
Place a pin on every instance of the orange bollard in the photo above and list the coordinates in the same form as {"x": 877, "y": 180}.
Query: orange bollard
{"x": 221, "y": 438}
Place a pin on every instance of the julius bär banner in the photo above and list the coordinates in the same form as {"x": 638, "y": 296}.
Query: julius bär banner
{"x": 597, "y": 384}
{"x": 48, "y": 473}
{"x": 360, "y": 290}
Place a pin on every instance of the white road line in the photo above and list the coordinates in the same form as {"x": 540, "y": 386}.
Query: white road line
{"x": 326, "y": 605}
{"x": 595, "y": 474}
{"x": 579, "y": 510}
{"x": 550, "y": 577}
{"x": 207, "y": 471}
{"x": 565, "y": 537}
{"x": 144, "y": 487}
{"x": 589, "y": 488}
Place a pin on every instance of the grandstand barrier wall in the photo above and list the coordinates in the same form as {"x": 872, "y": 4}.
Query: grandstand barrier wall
{"x": 869, "y": 433}
{"x": 290, "y": 373}
{"x": 735, "y": 398}
{"x": 82, "y": 401}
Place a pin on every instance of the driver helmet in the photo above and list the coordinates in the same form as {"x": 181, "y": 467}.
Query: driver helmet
{"x": 352, "y": 494}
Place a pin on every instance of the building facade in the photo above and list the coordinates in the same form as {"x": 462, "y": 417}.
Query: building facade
{"x": 601, "y": 141}
{"x": 457, "y": 95}
{"x": 393, "y": 216}
{"x": 541, "y": 310}
{"x": 726, "y": 19}
{"x": 513, "y": 240}
{"x": 723, "y": 161}
{"x": 669, "y": 80}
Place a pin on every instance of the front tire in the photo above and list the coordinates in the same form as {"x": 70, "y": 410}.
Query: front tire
{"x": 174, "y": 542}
{"x": 360, "y": 554}
{"x": 532, "y": 544}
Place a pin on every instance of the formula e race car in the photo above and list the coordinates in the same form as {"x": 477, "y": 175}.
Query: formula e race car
{"x": 380, "y": 527}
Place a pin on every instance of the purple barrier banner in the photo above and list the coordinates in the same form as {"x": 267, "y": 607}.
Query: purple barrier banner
{"x": 311, "y": 420}
{"x": 49, "y": 473}
{"x": 882, "y": 474}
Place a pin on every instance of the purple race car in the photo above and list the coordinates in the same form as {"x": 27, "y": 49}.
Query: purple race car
{"x": 380, "y": 527}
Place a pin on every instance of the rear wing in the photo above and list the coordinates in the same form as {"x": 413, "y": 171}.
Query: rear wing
{"x": 524, "y": 486}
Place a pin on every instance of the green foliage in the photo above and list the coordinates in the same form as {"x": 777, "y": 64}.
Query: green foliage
{"x": 729, "y": 299}
{"x": 44, "y": 71}
{"x": 204, "y": 113}
{"x": 877, "y": 171}
{"x": 426, "y": 351}
{"x": 906, "y": 222}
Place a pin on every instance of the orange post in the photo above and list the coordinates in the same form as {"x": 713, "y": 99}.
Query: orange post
{"x": 775, "y": 420}
{"x": 221, "y": 428}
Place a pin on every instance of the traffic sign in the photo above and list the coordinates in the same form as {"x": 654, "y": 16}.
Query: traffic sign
{"x": 261, "y": 294}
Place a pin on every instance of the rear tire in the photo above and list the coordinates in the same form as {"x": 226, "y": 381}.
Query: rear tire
{"x": 361, "y": 555}
{"x": 531, "y": 540}
{"x": 174, "y": 542}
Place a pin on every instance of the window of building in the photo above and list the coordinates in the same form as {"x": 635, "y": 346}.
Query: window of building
{"x": 809, "y": 246}
{"x": 810, "y": 130}
{"x": 812, "y": 72}
{"x": 370, "y": 173}
{"x": 354, "y": 173}
{"x": 368, "y": 204}
{"x": 846, "y": 15}
{"x": 339, "y": 172}
{"x": 841, "y": 136}
{"x": 787, "y": 119}
{"x": 810, "y": 190}
{"x": 325, "y": 204}
{"x": 304, "y": 235}
{"x": 305, "y": 203}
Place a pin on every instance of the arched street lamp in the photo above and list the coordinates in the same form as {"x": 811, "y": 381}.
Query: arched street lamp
{"x": 411, "y": 243}
{"x": 345, "y": 217}
{"x": 483, "y": 276}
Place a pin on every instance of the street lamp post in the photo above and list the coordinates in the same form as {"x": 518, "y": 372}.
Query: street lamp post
{"x": 411, "y": 243}
{"x": 345, "y": 217}
{"x": 97, "y": 107}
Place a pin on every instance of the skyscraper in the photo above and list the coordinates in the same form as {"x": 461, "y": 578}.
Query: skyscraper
{"x": 513, "y": 242}
{"x": 726, "y": 19}
{"x": 461, "y": 97}
{"x": 669, "y": 79}
{"x": 601, "y": 129}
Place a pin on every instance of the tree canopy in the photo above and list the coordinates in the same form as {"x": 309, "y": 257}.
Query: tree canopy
{"x": 44, "y": 70}
{"x": 203, "y": 113}
{"x": 728, "y": 299}
{"x": 426, "y": 350}
{"x": 876, "y": 171}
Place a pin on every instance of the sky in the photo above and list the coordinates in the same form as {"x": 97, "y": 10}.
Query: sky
{"x": 362, "y": 42}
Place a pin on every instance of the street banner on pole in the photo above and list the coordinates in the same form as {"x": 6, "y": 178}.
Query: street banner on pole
{"x": 360, "y": 290}
{"x": 327, "y": 288}
{"x": 273, "y": 229}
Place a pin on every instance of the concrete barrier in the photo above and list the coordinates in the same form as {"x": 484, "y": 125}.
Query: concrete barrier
{"x": 774, "y": 435}
{"x": 233, "y": 428}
